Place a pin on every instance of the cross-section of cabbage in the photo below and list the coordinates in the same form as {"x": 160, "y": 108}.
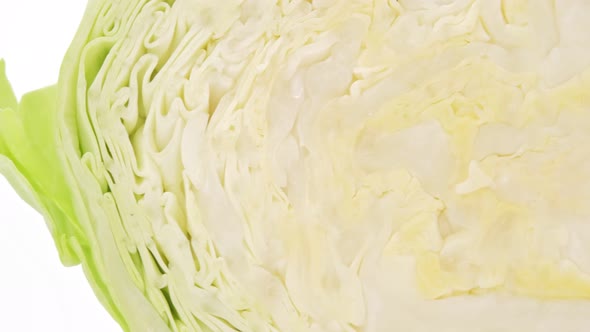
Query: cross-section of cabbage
{"x": 353, "y": 165}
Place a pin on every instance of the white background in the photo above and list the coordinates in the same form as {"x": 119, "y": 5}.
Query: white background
{"x": 37, "y": 293}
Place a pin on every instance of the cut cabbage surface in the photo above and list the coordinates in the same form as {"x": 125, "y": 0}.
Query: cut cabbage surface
{"x": 318, "y": 166}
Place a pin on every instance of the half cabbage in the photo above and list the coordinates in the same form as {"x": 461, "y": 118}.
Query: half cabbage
{"x": 318, "y": 165}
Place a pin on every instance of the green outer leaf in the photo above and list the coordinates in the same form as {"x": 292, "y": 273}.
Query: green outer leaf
{"x": 40, "y": 156}
{"x": 7, "y": 97}
{"x": 27, "y": 143}
{"x": 17, "y": 180}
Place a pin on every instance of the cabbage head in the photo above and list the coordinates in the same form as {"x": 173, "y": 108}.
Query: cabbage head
{"x": 318, "y": 165}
